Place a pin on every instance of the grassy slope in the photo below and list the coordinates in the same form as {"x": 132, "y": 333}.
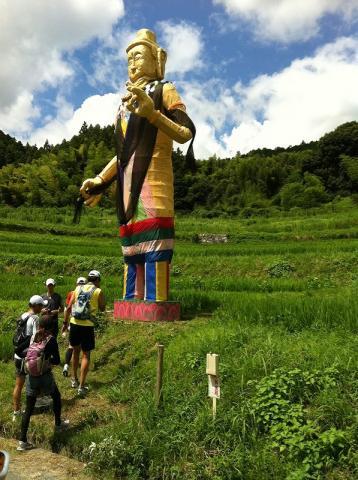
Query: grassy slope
{"x": 283, "y": 296}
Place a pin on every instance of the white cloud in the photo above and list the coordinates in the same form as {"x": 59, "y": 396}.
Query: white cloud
{"x": 110, "y": 60}
{"x": 184, "y": 45}
{"x": 302, "y": 102}
{"x": 18, "y": 116}
{"x": 97, "y": 109}
{"x": 33, "y": 38}
{"x": 287, "y": 20}
{"x": 210, "y": 105}
{"x": 310, "y": 97}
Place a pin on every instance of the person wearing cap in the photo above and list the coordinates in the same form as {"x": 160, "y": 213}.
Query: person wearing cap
{"x": 82, "y": 336}
{"x": 44, "y": 383}
{"x": 36, "y": 304}
{"x": 69, "y": 351}
{"x": 54, "y": 304}
{"x": 143, "y": 170}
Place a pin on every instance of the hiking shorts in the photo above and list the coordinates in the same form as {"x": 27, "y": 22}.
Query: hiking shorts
{"x": 19, "y": 367}
{"x": 82, "y": 336}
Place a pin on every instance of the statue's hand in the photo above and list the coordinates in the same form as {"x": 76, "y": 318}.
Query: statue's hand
{"x": 91, "y": 200}
{"x": 139, "y": 102}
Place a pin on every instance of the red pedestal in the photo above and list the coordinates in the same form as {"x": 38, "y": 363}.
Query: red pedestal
{"x": 140, "y": 311}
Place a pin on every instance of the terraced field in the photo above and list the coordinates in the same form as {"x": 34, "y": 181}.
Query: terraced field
{"x": 278, "y": 302}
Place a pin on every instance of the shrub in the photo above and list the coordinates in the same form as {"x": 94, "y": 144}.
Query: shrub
{"x": 279, "y": 270}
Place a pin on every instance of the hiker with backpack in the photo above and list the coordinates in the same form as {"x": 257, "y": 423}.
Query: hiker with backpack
{"x": 81, "y": 313}
{"x": 54, "y": 304}
{"x": 26, "y": 328}
{"x": 41, "y": 355}
{"x": 69, "y": 351}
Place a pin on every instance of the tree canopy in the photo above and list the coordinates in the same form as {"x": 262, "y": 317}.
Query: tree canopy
{"x": 305, "y": 175}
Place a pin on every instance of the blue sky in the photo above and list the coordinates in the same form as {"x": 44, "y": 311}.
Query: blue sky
{"x": 252, "y": 73}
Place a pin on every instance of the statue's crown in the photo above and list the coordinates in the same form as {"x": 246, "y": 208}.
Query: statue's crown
{"x": 144, "y": 37}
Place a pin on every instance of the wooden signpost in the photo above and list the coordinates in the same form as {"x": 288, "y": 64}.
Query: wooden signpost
{"x": 212, "y": 370}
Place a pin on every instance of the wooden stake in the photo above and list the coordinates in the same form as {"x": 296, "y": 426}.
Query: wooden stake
{"x": 158, "y": 388}
{"x": 214, "y": 407}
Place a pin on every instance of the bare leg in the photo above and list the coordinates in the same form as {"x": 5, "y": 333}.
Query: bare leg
{"x": 75, "y": 360}
{"x": 17, "y": 392}
{"x": 85, "y": 363}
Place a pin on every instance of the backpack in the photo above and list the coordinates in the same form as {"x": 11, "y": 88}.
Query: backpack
{"x": 35, "y": 362}
{"x": 20, "y": 334}
{"x": 81, "y": 309}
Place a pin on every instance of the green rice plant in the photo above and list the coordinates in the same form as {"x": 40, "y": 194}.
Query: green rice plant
{"x": 6, "y": 346}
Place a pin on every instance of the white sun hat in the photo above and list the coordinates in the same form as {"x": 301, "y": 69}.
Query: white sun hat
{"x": 94, "y": 274}
{"x": 37, "y": 300}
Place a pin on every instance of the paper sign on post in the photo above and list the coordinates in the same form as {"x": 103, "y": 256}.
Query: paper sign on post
{"x": 214, "y": 386}
{"x": 212, "y": 364}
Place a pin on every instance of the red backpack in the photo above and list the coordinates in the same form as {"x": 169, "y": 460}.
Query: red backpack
{"x": 35, "y": 362}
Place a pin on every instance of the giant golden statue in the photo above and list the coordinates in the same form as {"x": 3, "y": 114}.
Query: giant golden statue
{"x": 143, "y": 170}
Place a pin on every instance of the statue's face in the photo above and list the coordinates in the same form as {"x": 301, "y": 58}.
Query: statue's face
{"x": 141, "y": 64}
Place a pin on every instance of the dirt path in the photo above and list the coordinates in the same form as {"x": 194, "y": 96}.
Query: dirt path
{"x": 39, "y": 464}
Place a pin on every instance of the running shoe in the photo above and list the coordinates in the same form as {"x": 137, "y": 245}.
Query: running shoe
{"x": 64, "y": 425}
{"x": 75, "y": 383}
{"x": 24, "y": 446}
{"x": 82, "y": 391}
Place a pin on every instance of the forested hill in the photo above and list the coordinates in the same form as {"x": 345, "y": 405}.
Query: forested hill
{"x": 303, "y": 176}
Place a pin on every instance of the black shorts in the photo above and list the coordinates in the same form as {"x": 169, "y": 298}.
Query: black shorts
{"x": 82, "y": 336}
{"x": 54, "y": 327}
{"x": 19, "y": 368}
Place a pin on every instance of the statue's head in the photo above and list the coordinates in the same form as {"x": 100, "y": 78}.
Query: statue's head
{"x": 146, "y": 60}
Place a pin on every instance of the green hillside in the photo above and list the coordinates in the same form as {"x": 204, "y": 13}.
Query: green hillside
{"x": 262, "y": 181}
{"x": 278, "y": 302}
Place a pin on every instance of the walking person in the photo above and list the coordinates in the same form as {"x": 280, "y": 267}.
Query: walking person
{"x": 69, "y": 351}
{"x": 41, "y": 356}
{"x": 84, "y": 305}
{"x": 26, "y": 328}
{"x": 54, "y": 304}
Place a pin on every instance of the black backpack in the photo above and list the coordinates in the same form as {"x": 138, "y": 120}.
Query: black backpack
{"x": 20, "y": 334}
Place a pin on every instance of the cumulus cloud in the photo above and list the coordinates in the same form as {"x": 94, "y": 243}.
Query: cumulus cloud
{"x": 287, "y": 20}
{"x": 302, "y": 102}
{"x": 97, "y": 109}
{"x": 17, "y": 117}
{"x": 34, "y": 37}
{"x": 184, "y": 44}
{"x": 109, "y": 61}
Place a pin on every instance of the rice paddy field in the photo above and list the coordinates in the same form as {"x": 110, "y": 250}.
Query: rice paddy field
{"x": 278, "y": 302}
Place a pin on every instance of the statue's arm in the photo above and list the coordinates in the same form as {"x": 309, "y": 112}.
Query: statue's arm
{"x": 106, "y": 176}
{"x": 171, "y": 101}
{"x": 141, "y": 104}
{"x": 109, "y": 171}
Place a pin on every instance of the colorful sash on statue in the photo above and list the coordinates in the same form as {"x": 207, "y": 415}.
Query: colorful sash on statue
{"x": 149, "y": 240}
